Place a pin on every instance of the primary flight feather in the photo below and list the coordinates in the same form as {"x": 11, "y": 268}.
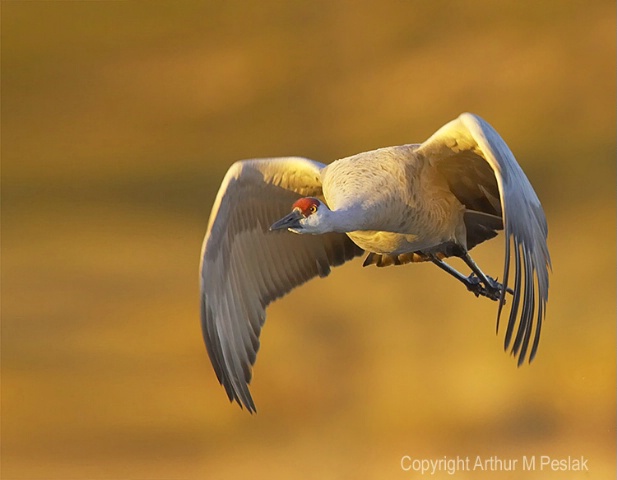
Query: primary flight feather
{"x": 420, "y": 202}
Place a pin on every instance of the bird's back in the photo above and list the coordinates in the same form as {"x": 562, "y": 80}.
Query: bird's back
{"x": 377, "y": 181}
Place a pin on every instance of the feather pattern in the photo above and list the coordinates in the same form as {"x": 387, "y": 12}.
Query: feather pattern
{"x": 245, "y": 267}
{"x": 470, "y": 141}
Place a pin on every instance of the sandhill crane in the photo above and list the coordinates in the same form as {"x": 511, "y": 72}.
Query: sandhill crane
{"x": 420, "y": 202}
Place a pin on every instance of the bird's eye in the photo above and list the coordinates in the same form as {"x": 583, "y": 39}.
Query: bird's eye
{"x": 313, "y": 209}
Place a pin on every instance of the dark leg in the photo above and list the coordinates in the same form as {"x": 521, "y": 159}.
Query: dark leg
{"x": 456, "y": 274}
{"x": 477, "y": 282}
{"x": 492, "y": 286}
{"x": 488, "y": 281}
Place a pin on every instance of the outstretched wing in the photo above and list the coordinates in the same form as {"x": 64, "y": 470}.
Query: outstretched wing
{"x": 484, "y": 175}
{"x": 244, "y": 266}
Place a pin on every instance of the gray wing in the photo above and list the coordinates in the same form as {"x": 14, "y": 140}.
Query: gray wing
{"x": 244, "y": 266}
{"x": 480, "y": 167}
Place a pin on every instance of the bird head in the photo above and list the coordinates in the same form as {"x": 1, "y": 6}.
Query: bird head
{"x": 307, "y": 216}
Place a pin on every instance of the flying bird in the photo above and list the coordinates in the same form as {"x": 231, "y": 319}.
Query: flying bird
{"x": 409, "y": 203}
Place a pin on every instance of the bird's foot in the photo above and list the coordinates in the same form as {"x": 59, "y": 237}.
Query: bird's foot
{"x": 492, "y": 291}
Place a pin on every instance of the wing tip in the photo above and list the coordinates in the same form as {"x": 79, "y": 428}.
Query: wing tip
{"x": 520, "y": 348}
{"x": 238, "y": 391}
{"x": 246, "y": 403}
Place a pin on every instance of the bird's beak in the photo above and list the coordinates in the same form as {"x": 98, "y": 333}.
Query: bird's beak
{"x": 288, "y": 221}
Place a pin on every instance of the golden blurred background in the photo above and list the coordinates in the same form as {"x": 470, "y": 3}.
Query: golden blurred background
{"x": 119, "y": 120}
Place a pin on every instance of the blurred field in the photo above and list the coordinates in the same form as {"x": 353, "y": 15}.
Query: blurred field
{"x": 119, "y": 120}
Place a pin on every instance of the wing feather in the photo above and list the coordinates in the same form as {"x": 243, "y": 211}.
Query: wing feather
{"x": 462, "y": 150}
{"x": 244, "y": 266}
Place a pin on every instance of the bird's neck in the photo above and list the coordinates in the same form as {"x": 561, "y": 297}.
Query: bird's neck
{"x": 346, "y": 220}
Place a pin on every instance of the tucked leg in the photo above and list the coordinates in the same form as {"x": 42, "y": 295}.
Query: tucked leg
{"x": 478, "y": 283}
{"x": 490, "y": 283}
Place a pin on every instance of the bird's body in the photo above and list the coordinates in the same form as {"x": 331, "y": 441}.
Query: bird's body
{"x": 421, "y": 211}
{"x": 421, "y": 202}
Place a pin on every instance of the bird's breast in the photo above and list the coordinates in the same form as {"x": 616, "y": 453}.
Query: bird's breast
{"x": 384, "y": 242}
